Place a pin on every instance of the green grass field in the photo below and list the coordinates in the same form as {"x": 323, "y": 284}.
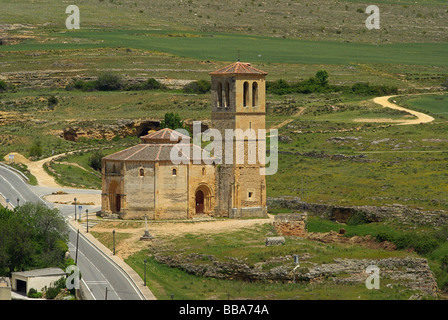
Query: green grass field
{"x": 256, "y": 49}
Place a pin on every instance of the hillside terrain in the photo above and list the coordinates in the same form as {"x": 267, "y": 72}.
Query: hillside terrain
{"x": 375, "y": 136}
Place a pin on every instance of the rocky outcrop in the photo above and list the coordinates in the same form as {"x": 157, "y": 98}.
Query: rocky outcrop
{"x": 122, "y": 128}
{"x": 397, "y": 212}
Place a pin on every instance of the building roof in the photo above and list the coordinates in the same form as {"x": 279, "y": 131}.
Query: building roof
{"x": 238, "y": 68}
{"x": 166, "y": 135}
{"x": 155, "y": 152}
{"x": 41, "y": 272}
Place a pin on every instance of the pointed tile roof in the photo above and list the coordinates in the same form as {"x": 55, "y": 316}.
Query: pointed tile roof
{"x": 239, "y": 68}
{"x": 157, "y": 146}
{"x": 166, "y": 135}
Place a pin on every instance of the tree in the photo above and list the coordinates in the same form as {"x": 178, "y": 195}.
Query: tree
{"x": 152, "y": 84}
{"x": 172, "y": 121}
{"x": 322, "y": 77}
{"x": 109, "y": 82}
{"x": 95, "y": 160}
{"x": 200, "y": 86}
{"x": 31, "y": 236}
{"x": 36, "y": 149}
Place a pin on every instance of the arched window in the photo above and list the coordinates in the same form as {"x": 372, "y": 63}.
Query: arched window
{"x": 245, "y": 94}
{"x": 219, "y": 91}
{"x": 227, "y": 94}
{"x": 254, "y": 94}
{"x": 174, "y": 172}
{"x": 142, "y": 172}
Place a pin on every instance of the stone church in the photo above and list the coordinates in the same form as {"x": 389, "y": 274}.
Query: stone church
{"x": 142, "y": 180}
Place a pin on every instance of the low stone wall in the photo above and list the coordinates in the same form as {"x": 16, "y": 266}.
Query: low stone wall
{"x": 291, "y": 224}
{"x": 341, "y": 214}
{"x": 250, "y": 212}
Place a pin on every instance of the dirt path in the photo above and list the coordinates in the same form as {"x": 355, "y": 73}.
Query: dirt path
{"x": 284, "y": 123}
{"x": 37, "y": 170}
{"x": 133, "y": 244}
{"x": 384, "y": 101}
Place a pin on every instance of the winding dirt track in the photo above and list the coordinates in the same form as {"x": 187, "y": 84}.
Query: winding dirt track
{"x": 421, "y": 117}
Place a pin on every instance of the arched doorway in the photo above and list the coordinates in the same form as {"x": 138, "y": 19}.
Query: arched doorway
{"x": 199, "y": 202}
{"x": 114, "y": 197}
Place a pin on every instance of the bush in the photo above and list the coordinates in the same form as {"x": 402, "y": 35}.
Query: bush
{"x": 152, "y": 84}
{"x": 382, "y": 236}
{"x": 444, "y": 263}
{"x": 95, "y": 160}
{"x": 52, "y": 101}
{"x": 109, "y": 82}
{"x": 32, "y": 293}
{"x": 200, "y": 87}
{"x": 3, "y": 85}
{"x": 366, "y": 89}
{"x": 36, "y": 150}
{"x": 52, "y": 292}
{"x": 82, "y": 85}
{"x": 357, "y": 218}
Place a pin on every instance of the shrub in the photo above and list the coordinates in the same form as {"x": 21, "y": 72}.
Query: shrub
{"x": 444, "y": 263}
{"x": 82, "y": 85}
{"x": 152, "y": 84}
{"x": 382, "y": 236}
{"x": 36, "y": 150}
{"x": 95, "y": 160}
{"x": 3, "y": 85}
{"x": 52, "y": 292}
{"x": 357, "y": 218}
{"x": 200, "y": 87}
{"x": 109, "y": 82}
{"x": 52, "y": 101}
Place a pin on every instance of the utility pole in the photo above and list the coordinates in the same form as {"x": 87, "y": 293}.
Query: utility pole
{"x": 105, "y": 298}
{"x": 145, "y": 274}
{"x": 75, "y": 208}
{"x": 87, "y": 215}
{"x": 77, "y": 240}
{"x": 113, "y": 234}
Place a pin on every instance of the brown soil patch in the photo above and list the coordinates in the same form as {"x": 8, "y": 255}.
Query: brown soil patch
{"x": 81, "y": 198}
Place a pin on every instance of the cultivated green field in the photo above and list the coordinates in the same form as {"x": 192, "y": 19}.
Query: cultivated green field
{"x": 327, "y": 154}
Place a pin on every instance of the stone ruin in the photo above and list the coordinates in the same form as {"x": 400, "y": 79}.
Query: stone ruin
{"x": 291, "y": 224}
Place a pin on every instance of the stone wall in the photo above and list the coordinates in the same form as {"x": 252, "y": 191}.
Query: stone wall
{"x": 291, "y": 224}
{"x": 398, "y": 212}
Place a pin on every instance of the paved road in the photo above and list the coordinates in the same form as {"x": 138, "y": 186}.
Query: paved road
{"x": 98, "y": 273}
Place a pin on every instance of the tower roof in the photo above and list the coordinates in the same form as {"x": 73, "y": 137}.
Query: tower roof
{"x": 165, "y": 135}
{"x": 238, "y": 68}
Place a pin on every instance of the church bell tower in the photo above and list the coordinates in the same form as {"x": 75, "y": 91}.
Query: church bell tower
{"x": 238, "y": 103}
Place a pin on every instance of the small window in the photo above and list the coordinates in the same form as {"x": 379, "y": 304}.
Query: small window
{"x": 174, "y": 172}
{"x": 142, "y": 172}
{"x": 246, "y": 94}
{"x": 250, "y": 195}
{"x": 227, "y": 94}
{"x": 219, "y": 91}
{"x": 254, "y": 94}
